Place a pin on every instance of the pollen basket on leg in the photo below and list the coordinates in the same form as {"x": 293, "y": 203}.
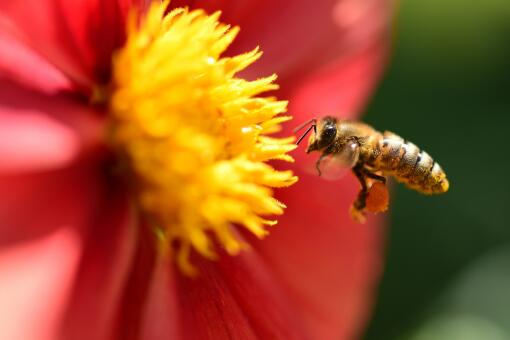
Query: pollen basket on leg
{"x": 193, "y": 135}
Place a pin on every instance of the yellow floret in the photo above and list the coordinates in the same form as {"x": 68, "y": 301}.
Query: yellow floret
{"x": 194, "y": 136}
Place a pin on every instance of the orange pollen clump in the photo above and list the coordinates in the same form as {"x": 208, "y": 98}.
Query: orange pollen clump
{"x": 377, "y": 198}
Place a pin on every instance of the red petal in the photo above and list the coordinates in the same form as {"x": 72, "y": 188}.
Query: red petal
{"x": 236, "y": 298}
{"x": 209, "y": 310}
{"x": 78, "y": 36}
{"x": 327, "y": 263}
{"x": 44, "y": 218}
{"x": 41, "y": 132}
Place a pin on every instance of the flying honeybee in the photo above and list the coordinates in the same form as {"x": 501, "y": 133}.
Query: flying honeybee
{"x": 373, "y": 156}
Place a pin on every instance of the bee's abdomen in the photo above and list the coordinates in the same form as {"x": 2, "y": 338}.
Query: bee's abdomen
{"x": 408, "y": 164}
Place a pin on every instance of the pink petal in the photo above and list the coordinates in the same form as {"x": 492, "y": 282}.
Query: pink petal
{"x": 40, "y": 132}
{"x": 36, "y": 282}
{"x": 44, "y": 218}
{"x": 77, "y": 36}
{"x": 21, "y": 64}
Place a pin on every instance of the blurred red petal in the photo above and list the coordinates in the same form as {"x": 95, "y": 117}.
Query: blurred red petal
{"x": 44, "y": 218}
{"x": 236, "y": 298}
{"x": 160, "y": 318}
{"x": 148, "y": 308}
{"x": 102, "y": 271}
{"x": 77, "y": 36}
{"x": 40, "y": 132}
{"x": 340, "y": 88}
{"x": 300, "y": 36}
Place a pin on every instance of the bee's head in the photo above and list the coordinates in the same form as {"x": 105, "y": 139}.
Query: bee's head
{"x": 324, "y": 133}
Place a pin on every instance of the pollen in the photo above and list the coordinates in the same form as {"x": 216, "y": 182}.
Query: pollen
{"x": 377, "y": 198}
{"x": 195, "y": 137}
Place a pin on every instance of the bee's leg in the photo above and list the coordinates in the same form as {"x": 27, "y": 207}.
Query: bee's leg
{"x": 318, "y": 163}
{"x": 358, "y": 207}
{"x": 379, "y": 178}
{"x": 360, "y": 202}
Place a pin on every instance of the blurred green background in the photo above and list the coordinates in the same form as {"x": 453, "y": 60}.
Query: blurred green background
{"x": 447, "y": 89}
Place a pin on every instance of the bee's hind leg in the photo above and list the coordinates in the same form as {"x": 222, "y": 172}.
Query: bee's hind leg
{"x": 358, "y": 207}
{"x": 371, "y": 175}
{"x": 361, "y": 175}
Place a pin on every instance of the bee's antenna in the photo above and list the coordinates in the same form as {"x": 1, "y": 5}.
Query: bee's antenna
{"x": 306, "y": 132}
{"x": 313, "y": 120}
{"x": 313, "y": 126}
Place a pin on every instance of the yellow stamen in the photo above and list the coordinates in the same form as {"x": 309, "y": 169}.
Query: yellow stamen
{"x": 193, "y": 134}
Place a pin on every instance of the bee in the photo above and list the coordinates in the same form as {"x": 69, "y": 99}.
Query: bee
{"x": 373, "y": 156}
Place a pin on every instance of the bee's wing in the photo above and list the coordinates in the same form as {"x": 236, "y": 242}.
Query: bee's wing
{"x": 335, "y": 166}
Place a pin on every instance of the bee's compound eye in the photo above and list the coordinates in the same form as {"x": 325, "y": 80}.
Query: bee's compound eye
{"x": 328, "y": 134}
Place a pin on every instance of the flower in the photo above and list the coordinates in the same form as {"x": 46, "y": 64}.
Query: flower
{"x": 76, "y": 260}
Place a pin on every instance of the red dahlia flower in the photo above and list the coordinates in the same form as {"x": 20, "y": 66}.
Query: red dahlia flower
{"x": 130, "y": 146}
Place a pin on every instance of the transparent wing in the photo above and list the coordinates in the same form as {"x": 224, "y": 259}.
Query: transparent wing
{"x": 335, "y": 166}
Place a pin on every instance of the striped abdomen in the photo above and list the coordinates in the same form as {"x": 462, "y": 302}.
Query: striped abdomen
{"x": 408, "y": 164}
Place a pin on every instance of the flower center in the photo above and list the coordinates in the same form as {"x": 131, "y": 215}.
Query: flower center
{"x": 195, "y": 136}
